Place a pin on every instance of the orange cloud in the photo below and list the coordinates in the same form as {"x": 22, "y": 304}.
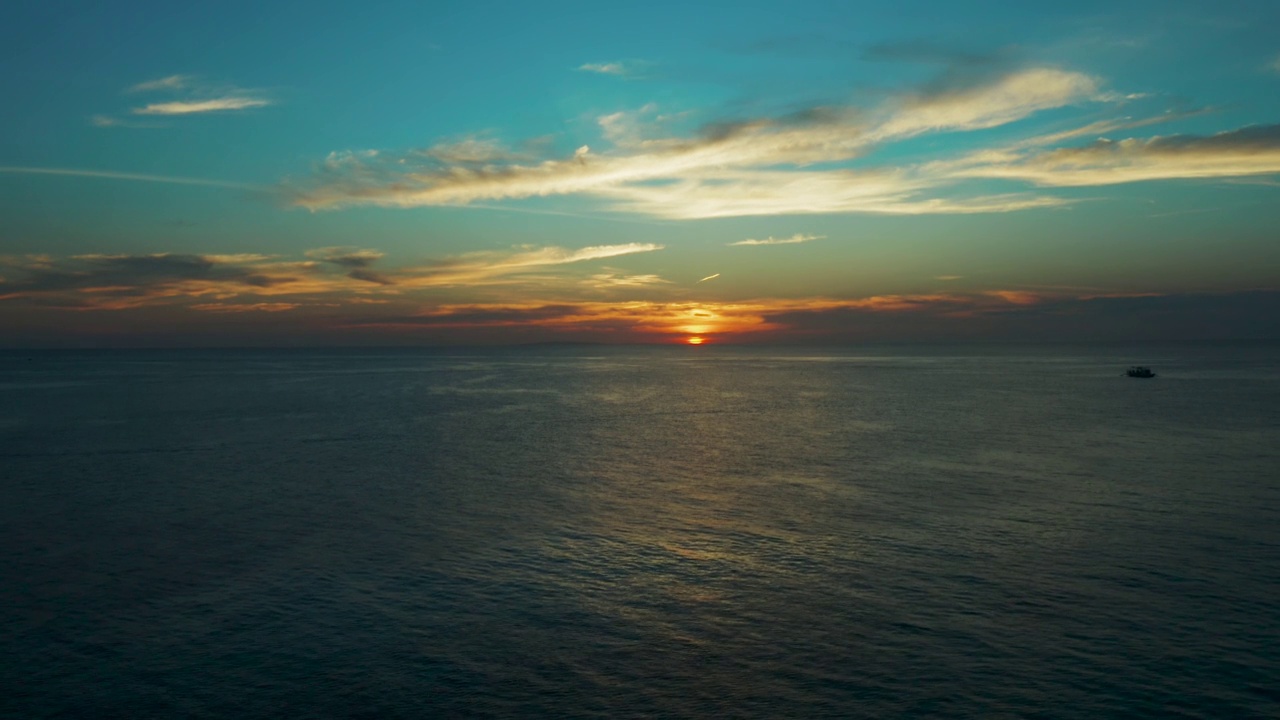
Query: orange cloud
{"x": 119, "y": 282}
{"x": 657, "y": 320}
{"x": 251, "y": 307}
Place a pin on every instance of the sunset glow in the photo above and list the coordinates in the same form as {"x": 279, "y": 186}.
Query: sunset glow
{"x": 834, "y": 173}
{"x": 694, "y": 340}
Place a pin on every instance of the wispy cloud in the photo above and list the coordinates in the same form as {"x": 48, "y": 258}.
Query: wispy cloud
{"x": 709, "y": 277}
{"x": 187, "y": 95}
{"x": 612, "y": 68}
{"x": 245, "y": 307}
{"x": 1274, "y": 65}
{"x": 356, "y": 261}
{"x": 952, "y": 315}
{"x": 753, "y": 167}
{"x": 506, "y": 267}
{"x": 105, "y": 121}
{"x": 621, "y": 68}
{"x": 618, "y": 280}
{"x": 316, "y": 293}
{"x": 1248, "y": 151}
{"x": 1009, "y": 98}
{"x": 191, "y": 107}
{"x": 114, "y": 282}
{"x": 817, "y": 161}
{"x": 794, "y": 239}
{"x": 347, "y": 257}
{"x": 171, "y": 82}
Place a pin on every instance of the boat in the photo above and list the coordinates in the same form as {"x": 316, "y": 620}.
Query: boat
{"x": 1139, "y": 371}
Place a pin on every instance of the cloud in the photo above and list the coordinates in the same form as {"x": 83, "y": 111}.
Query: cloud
{"x": 955, "y": 315}
{"x": 190, "y": 96}
{"x": 709, "y": 277}
{"x": 172, "y": 82}
{"x": 1016, "y": 297}
{"x": 762, "y": 166}
{"x": 820, "y": 160}
{"x": 1086, "y": 318}
{"x": 191, "y": 107}
{"x": 474, "y": 151}
{"x": 794, "y": 239}
{"x": 749, "y": 156}
{"x": 615, "y": 280}
{"x": 482, "y": 268}
{"x": 355, "y": 260}
{"x": 621, "y": 68}
{"x": 1248, "y": 151}
{"x": 244, "y": 308}
{"x": 316, "y": 296}
{"x": 106, "y": 121}
{"x": 1011, "y": 97}
{"x": 370, "y": 277}
{"x": 115, "y": 282}
{"x": 794, "y": 193}
{"x": 603, "y": 68}
{"x": 1274, "y": 65}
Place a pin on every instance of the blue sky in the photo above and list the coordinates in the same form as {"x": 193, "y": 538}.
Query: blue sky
{"x": 498, "y": 172}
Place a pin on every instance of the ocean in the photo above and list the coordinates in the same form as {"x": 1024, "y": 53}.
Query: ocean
{"x": 641, "y": 532}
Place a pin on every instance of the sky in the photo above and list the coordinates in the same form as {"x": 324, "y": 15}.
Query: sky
{"x": 409, "y": 173}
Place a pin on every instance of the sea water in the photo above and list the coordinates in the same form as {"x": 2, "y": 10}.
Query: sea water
{"x": 621, "y": 532}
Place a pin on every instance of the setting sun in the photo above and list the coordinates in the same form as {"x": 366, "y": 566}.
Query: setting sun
{"x": 695, "y": 340}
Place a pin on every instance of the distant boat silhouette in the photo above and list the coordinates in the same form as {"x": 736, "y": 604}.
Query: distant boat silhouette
{"x": 1139, "y": 371}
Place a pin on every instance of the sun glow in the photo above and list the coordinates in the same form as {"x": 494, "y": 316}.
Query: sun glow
{"x": 694, "y": 340}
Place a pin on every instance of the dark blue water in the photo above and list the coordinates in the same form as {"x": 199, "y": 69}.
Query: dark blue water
{"x": 640, "y": 532}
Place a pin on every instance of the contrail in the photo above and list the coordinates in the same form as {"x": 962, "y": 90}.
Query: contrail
{"x": 709, "y": 277}
{"x": 135, "y": 177}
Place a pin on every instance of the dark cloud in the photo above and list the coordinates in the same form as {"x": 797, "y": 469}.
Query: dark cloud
{"x": 91, "y": 271}
{"x": 473, "y": 316}
{"x": 1199, "y": 316}
{"x": 370, "y": 276}
{"x": 345, "y": 256}
{"x": 1255, "y": 138}
{"x": 116, "y": 281}
{"x": 265, "y": 281}
{"x": 1253, "y": 150}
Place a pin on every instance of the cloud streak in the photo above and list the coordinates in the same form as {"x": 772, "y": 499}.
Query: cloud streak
{"x": 116, "y": 282}
{"x": 619, "y": 68}
{"x": 760, "y": 166}
{"x": 1011, "y": 97}
{"x": 171, "y": 82}
{"x": 135, "y": 177}
{"x": 193, "y": 107}
{"x": 793, "y": 240}
{"x": 609, "y": 68}
{"x": 488, "y": 268}
{"x": 822, "y": 160}
{"x": 953, "y": 315}
{"x": 189, "y": 96}
{"x": 320, "y": 292}
{"x": 1238, "y": 153}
